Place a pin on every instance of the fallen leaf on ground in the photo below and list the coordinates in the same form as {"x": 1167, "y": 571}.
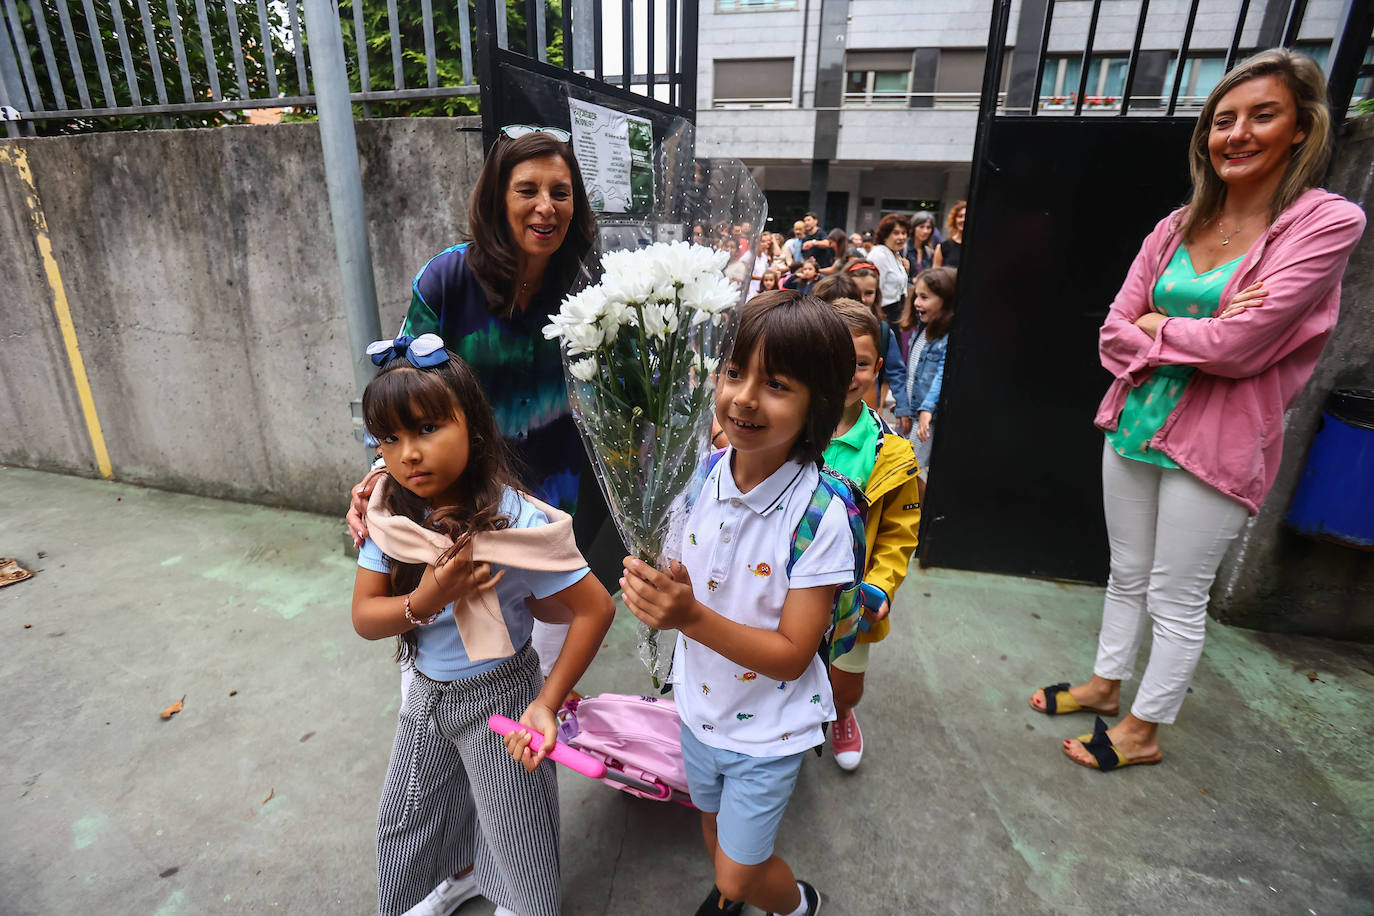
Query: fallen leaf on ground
{"x": 233, "y": 693}
{"x": 173, "y": 709}
{"x": 270, "y": 795}
{"x": 1312, "y": 676}
{"x": 11, "y": 572}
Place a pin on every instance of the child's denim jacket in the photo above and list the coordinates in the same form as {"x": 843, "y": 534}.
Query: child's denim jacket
{"x": 924, "y": 378}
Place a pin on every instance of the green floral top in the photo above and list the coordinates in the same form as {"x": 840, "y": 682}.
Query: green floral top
{"x": 1180, "y": 292}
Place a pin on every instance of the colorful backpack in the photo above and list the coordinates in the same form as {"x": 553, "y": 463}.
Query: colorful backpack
{"x": 850, "y": 598}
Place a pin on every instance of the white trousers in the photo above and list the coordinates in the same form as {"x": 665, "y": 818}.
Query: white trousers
{"x": 1168, "y": 532}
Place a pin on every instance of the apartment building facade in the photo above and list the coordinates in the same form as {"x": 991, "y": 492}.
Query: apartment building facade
{"x": 856, "y": 108}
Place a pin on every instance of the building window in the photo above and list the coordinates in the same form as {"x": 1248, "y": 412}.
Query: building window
{"x": 959, "y": 77}
{"x": 1200, "y": 74}
{"x": 749, "y": 6}
{"x": 761, "y": 83}
{"x": 877, "y": 78}
{"x": 1106, "y": 82}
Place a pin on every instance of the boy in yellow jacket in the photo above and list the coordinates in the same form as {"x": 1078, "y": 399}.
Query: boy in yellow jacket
{"x": 882, "y": 463}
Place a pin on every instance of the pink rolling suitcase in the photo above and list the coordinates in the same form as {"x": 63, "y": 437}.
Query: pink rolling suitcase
{"x": 631, "y": 743}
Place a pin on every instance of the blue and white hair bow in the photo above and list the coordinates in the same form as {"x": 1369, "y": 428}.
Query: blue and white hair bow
{"x": 424, "y": 351}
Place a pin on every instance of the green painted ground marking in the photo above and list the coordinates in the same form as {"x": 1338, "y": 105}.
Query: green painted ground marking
{"x": 87, "y": 830}
{"x": 171, "y": 561}
{"x": 172, "y": 905}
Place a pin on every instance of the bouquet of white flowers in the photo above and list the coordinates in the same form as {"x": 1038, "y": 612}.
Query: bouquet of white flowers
{"x": 641, "y": 349}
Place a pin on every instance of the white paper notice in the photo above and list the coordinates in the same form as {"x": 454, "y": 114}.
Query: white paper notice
{"x": 613, "y": 150}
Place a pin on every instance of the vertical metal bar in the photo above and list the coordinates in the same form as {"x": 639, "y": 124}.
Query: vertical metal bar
{"x": 1087, "y": 58}
{"x": 174, "y": 18}
{"x": 1134, "y": 59}
{"x": 13, "y": 94}
{"x": 1182, "y": 58}
{"x": 490, "y": 99}
{"x": 427, "y": 22}
{"x": 297, "y": 37}
{"x": 343, "y": 179}
{"x": 98, "y": 46}
{"x": 541, "y": 31}
{"x": 235, "y": 45}
{"x": 154, "y": 58}
{"x": 530, "y": 37}
{"x": 397, "y": 70}
{"x": 627, "y": 44}
{"x": 130, "y": 76}
{"x": 1296, "y": 14}
{"x": 465, "y": 42}
{"x": 268, "y": 62}
{"x": 21, "y": 47}
{"x": 360, "y": 42}
{"x": 1040, "y": 57}
{"x": 688, "y": 100}
{"x": 565, "y": 11}
{"x": 649, "y": 31}
{"x": 502, "y": 25}
{"x": 45, "y": 42}
{"x": 598, "y": 63}
{"x": 74, "y": 54}
{"x": 1347, "y": 55}
{"x": 674, "y": 78}
{"x": 1235, "y": 38}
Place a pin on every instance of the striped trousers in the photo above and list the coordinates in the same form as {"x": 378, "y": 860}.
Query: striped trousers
{"x": 453, "y": 797}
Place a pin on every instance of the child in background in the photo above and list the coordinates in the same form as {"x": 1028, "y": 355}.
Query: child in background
{"x": 769, "y": 281}
{"x": 870, "y": 453}
{"x": 803, "y": 277}
{"x": 750, "y": 688}
{"x": 933, "y": 304}
{"x": 438, "y": 570}
{"x": 863, "y": 286}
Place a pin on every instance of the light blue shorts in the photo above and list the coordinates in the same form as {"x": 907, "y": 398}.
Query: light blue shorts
{"x": 747, "y": 794}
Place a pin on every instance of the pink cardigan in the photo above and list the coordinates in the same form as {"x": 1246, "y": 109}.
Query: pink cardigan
{"x": 1227, "y": 429}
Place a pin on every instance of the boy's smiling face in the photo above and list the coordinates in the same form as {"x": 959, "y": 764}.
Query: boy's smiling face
{"x": 763, "y": 415}
{"x": 867, "y": 366}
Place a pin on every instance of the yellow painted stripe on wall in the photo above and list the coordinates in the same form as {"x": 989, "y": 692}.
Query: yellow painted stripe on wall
{"x": 18, "y": 158}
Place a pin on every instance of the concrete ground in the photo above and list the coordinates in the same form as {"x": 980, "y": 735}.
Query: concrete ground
{"x": 260, "y": 796}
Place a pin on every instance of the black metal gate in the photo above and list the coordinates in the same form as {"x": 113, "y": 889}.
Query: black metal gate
{"x": 1065, "y": 185}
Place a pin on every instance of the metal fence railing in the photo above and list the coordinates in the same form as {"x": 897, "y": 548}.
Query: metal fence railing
{"x": 71, "y": 65}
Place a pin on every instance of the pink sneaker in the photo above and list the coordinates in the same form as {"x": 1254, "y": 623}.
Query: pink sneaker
{"x": 848, "y": 742}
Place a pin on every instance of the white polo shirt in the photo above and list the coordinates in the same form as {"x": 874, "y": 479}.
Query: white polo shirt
{"x": 736, "y": 547}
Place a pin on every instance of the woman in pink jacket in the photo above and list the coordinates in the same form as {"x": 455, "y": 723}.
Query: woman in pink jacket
{"x": 1215, "y": 331}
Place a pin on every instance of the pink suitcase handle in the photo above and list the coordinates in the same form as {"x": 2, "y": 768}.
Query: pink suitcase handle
{"x": 570, "y": 757}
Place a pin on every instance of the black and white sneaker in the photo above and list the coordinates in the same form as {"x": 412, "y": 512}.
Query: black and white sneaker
{"x": 715, "y": 905}
{"x": 811, "y": 897}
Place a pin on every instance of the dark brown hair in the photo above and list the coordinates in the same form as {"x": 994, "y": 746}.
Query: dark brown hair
{"x": 402, "y": 396}
{"x": 835, "y": 286}
{"x": 495, "y": 256}
{"x": 802, "y": 338}
{"x": 942, "y": 282}
{"x": 887, "y": 224}
{"x": 861, "y": 321}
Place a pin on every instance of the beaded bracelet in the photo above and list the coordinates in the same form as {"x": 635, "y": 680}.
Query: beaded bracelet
{"x": 420, "y": 623}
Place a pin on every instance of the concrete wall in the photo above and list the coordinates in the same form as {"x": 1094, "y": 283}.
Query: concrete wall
{"x": 199, "y": 266}
{"x": 1275, "y": 579}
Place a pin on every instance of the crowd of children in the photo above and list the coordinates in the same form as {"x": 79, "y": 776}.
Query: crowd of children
{"x": 459, "y": 560}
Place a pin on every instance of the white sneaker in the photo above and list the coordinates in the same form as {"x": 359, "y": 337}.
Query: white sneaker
{"x": 848, "y": 742}
{"x": 447, "y": 897}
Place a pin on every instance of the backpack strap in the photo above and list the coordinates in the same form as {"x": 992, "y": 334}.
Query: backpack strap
{"x": 848, "y": 609}
{"x": 689, "y": 497}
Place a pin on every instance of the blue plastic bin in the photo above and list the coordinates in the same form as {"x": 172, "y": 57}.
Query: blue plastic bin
{"x": 1335, "y": 496}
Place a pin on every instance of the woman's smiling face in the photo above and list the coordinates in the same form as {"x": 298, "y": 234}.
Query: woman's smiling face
{"x": 1253, "y": 131}
{"x": 539, "y": 204}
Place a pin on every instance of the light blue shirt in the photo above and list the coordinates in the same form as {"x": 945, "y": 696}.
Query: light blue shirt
{"x": 439, "y": 653}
